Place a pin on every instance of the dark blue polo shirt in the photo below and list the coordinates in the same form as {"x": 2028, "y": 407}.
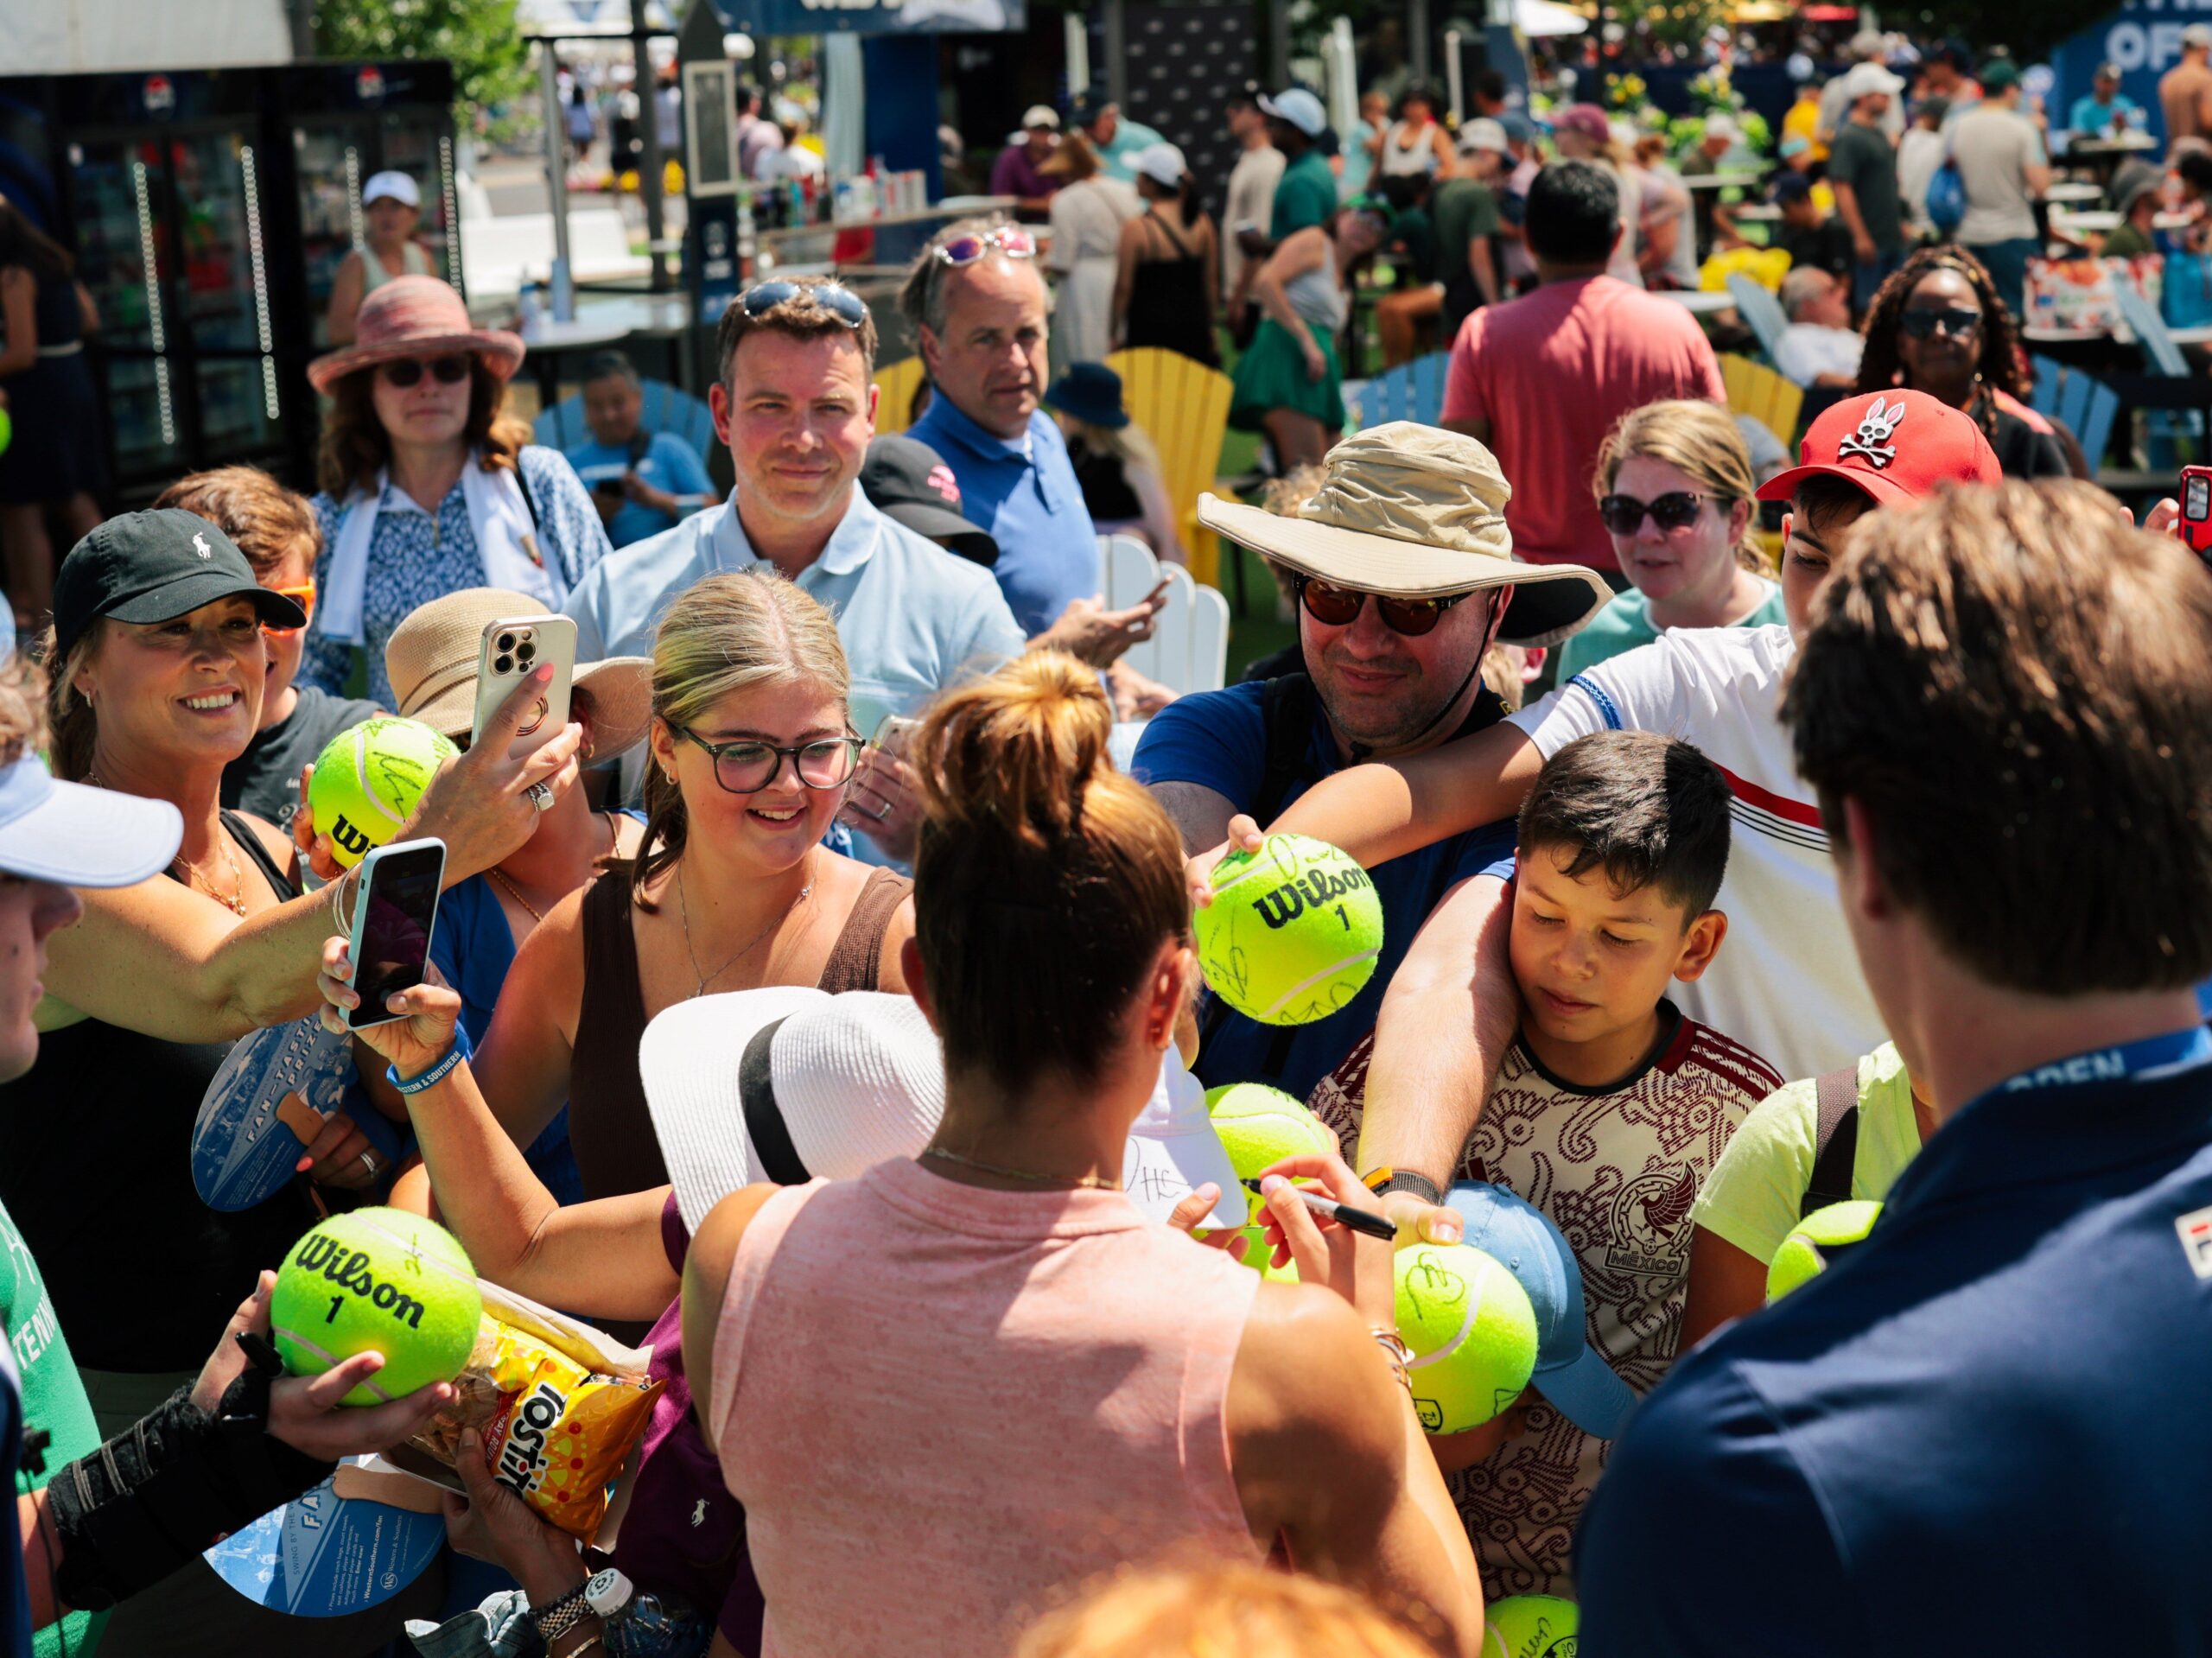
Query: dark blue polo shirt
{"x": 1986, "y": 1430}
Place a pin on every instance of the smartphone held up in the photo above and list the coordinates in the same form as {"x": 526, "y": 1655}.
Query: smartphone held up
{"x": 394, "y": 913}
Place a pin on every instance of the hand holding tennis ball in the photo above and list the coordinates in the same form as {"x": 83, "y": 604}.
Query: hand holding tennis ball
{"x": 1472, "y": 1331}
{"x": 1293, "y": 931}
{"x": 381, "y": 1280}
{"x": 1259, "y": 1127}
{"x": 368, "y": 780}
{"x": 1815, "y": 1242}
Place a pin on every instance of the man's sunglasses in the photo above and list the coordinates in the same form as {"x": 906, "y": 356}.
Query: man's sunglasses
{"x": 1335, "y": 606}
{"x": 1676, "y": 509}
{"x": 966, "y": 250}
{"x": 447, "y": 371}
{"x": 840, "y": 303}
{"x": 1957, "y": 323}
{"x": 301, "y": 596}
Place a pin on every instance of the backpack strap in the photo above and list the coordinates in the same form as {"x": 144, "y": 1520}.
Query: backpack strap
{"x": 1835, "y": 1145}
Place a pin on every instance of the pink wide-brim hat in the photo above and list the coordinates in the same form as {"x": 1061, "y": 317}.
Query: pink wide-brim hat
{"x": 415, "y": 316}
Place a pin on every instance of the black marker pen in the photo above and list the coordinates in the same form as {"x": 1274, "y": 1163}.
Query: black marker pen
{"x": 1358, "y": 1220}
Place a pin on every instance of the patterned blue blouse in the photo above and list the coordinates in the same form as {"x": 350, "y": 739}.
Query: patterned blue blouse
{"x": 415, "y": 558}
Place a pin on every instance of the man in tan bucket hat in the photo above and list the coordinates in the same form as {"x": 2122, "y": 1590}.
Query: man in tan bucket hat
{"x": 1405, "y": 575}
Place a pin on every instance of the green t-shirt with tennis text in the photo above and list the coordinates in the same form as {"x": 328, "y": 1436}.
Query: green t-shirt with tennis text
{"x": 53, "y": 1400}
{"x": 1753, "y": 1197}
{"x": 1626, "y": 623}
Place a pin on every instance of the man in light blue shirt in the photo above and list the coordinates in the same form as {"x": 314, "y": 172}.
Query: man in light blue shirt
{"x": 977, "y": 304}
{"x": 795, "y": 405}
{"x": 2105, "y": 108}
{"x": 1115, "y": 137}
{"x": 641, "y": 482}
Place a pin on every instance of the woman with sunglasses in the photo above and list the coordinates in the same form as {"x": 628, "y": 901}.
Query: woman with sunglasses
{"x": 427, "y": 486}
{"x": 1675, "y": 487}
{"x": 275, "y": 529}
{"x": 751, "y": 754}
{"x": 1289, "y": 382}
{"x": 1938, "y": 326}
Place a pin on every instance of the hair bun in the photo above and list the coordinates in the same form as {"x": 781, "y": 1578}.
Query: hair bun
{"x": 1018, "y": 750}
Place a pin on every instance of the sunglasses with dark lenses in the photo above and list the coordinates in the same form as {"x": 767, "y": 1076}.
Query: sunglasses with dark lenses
{"x": 1676, "y": 509}
{"x": 1957, "y": 323}
{"x": 447, "y": 371}
{"x": 748, "y": 765}
{"x": 1336, "y": 607}
{"x": 966, "y": 250}
{"x": 840, "y": 303}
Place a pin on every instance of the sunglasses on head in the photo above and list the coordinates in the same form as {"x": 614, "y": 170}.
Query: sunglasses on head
{"x": 1957, "y": 322}
{"x": 1335, "y": 606}
{"x": 447, "y": 371}
{"x": 966, "y": 250}
{"x": 840, "y": 301}
{"x": 1676, "y": 509}
{"x": 304, "y": 598}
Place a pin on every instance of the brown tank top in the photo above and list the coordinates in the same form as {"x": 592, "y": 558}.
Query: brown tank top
{"x": 609, "y": 1129}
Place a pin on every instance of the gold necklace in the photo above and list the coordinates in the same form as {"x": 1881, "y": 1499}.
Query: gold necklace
{"x": 236, "y": 902}
{"x": 683, "y": 910}
{"x": 1096, "y": 1181}
{"x": 613, "y": 846}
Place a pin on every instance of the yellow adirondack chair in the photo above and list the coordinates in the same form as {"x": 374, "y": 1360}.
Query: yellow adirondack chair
{"x": 1774, "y": 400}
{"x": 1183, "y": 406}
{"x": 898, "y": 382}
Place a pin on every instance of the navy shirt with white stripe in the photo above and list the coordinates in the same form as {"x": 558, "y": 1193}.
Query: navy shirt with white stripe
{"x": 1986, "y": 1430}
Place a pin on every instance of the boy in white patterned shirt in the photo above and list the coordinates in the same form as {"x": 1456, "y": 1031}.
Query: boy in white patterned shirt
{"x": 1609, "y": 1110}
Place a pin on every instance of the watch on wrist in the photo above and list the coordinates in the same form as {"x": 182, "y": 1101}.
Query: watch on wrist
{"x": 1383, "y": 1181}
{"x": 608, "y": 1592}
{"x": 556, "y": 1620}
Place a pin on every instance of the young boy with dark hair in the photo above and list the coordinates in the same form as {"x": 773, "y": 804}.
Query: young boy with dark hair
{"x": 1609, "y": 1110}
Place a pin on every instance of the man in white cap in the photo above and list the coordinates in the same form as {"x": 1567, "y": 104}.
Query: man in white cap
{"x": 1017, "y": 171}
{"x": 1465, "y": 209}
{"x": 392, "y": 206}
{"x": 1863, "y": 172}
{"x": 1721, "y": 135}
{"x": 2185, "y": 90}
{"x": 1306, "y": 193}
{"x": 1866, "y": 47}
{"x": 1251, "y": 194}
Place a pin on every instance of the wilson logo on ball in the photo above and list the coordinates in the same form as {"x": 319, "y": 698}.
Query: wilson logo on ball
{"x": 343, "y": 834}
{"x": 349, "y": 1270}
{"x": 1316, "y": 889}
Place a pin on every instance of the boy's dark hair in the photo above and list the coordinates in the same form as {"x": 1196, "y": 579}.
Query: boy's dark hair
{"x": 2012, "y": 684}
{"x": 1820, "y": 498}
{"x": 1574, "y": 210}
{"x": 1650, "y": 810}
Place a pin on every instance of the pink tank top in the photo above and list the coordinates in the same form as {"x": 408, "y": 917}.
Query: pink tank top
{"x": 939, "y": 1404}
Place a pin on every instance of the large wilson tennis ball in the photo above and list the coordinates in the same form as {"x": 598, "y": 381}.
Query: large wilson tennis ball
{"x": 1818, "y": 1239}
{"x": 381, "y": 1279}
{"x": 1530, "y": 1626}
{"x": 1259, "y": 1127}
{"x": 1293, "y": 931}
{"x": 367, "y": 780}
{"x": 1472, "y": 1331}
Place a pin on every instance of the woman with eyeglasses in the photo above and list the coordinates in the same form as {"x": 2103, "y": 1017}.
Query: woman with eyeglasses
{"x": 1289, "y": 384}
{"x": 1938, "y": 326}
{"x": 1674, "y": 488}
{"x": 276, "y": 531}
{"x": 751, "y": 754}
{"x": 428, "y": 487}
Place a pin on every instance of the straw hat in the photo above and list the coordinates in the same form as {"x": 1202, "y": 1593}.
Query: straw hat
{"x": 431, "y": 661}
{"x": 1416, "y": 512}
{"x": 415, "y": 316}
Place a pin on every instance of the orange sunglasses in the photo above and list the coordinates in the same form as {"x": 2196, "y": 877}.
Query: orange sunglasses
{"x": 301, "y": 596}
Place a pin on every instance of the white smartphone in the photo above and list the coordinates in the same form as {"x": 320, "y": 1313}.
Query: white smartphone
{"x": 510, "y": 649}
{"x": 394, "y": 914}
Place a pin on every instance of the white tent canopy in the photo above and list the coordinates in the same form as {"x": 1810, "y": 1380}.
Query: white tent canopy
{"x": 1540, "y": 19}
{"x": 62, "y": 38}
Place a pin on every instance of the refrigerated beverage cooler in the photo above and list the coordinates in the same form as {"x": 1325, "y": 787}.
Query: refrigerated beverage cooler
{"x": 207, "y": 211}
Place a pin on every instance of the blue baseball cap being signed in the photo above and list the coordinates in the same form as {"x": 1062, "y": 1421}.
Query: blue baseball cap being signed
{"x": 1570, "y": 1373}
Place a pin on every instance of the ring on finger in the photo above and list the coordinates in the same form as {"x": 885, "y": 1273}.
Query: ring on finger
{"x": 540, "y": 797}
{"x": 369, "y": 1162}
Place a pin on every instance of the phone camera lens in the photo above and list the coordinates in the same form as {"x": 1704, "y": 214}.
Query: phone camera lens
{"x": 526, "y": 651}
{"x": 503, "y": 665}
{"x": 506, "y": 642}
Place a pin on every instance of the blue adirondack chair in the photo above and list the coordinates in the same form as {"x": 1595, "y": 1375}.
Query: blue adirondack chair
{"x": 1412, "y": 391}
{"x": 2083, "y": 404}
{"x": 665, "y": 410}
{"x": 1761, "y": 313}
{"x": 2164, "y": 358}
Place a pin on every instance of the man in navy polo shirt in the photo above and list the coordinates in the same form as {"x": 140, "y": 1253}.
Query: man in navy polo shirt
{"x": 1985, "y": 1429}
{"x": 976, "y": 303}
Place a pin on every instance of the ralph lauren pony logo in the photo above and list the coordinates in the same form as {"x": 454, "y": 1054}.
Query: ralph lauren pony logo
{"x": 200, "y": 545}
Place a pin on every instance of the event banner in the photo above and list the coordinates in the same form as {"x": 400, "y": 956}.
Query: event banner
{"x": 875, "y": 16}
{"x": 2143, "y": 41}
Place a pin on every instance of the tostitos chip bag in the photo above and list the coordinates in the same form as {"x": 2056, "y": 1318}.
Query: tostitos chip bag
{"x": 559, "y": 1405}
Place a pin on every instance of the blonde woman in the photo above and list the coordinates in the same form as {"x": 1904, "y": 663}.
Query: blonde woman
{"x": 1123, "y": 484}
{"x": 1674, "y": 486}
{"x": 751, "y": 753}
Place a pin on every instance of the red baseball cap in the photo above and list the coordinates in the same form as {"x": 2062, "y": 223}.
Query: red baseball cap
{"x": 1896, "y": 446}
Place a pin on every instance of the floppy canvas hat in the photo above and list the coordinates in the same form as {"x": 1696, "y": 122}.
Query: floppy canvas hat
{"x": 1519, "y": 1236}
{"x": 150, "y": 566}
{"x": 1172, "y": 1150}
{"x": 415, "y": 316}
{"x": 431, "y": 659}
{"x": 80, "y": 835}
{"x": 1896, "y": 446}
{"x": 787, "y": 1083}
{"x": 1414, "y": 512}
